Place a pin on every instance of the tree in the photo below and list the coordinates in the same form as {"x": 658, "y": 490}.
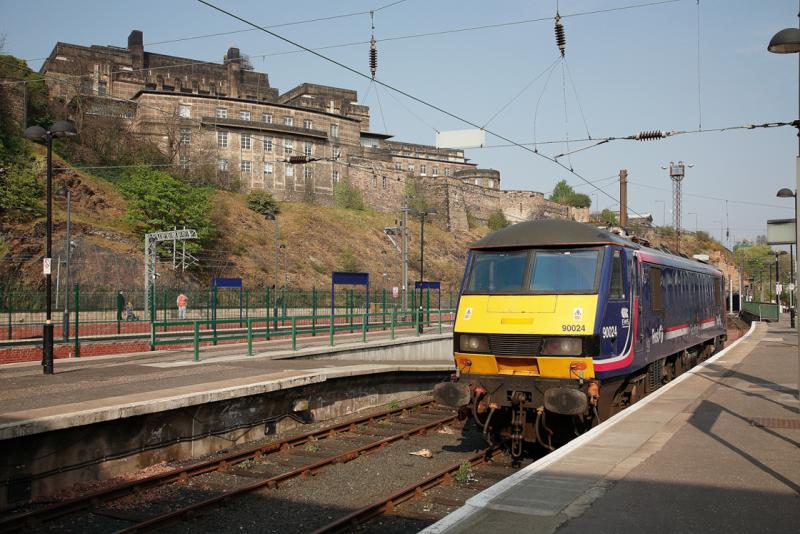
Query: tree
{"x": 347, "y": 196}
{"x": 497, "y": 220}
{"x": 608, "y": 217}
{"x": 157, "y": 202}
{"x": 563, "y": 193}
{"x": 20, "y": 193}
{"x": 262, "y": 202}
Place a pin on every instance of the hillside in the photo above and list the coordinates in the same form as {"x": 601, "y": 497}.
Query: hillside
{"x": 319, "y": 239}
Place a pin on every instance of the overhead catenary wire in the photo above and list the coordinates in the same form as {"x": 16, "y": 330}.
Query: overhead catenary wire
{"x": 516, "y": 96}
{"x": 404, "y": 93}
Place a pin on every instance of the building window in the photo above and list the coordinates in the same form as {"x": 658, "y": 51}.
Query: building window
{"x": 288, "y": 146}
{"x": 222, "y": 164}
{"x": 307, "y": 124}
{"x": 267, "y": 144}
{"x": 245, "y": 166}
{"x": 222, "y": 139}
{"x": 307, "y": 148}
{"x": 435, "y": 170}
{"x": 245, "y": 141}
{"x": 398, "y": 166}
{"x": 244, "y": 115}
{"x": 288, "y": 121}
{"x": 185, "y": 111}
{"x": 288, "y": 170}
{"x": 268, "y": 167}
{"x": 266, "y": 117}
{"x": 334, "y": 130}
{"x": 491, "y": 184}
{"x": 374, "y": 181}
{"x": 335, "y": 177}
{"x": 101, "y": 88}
{"x": 384, "y": 182}
{"x": 308, "y": 172}
{"x": 222, "y": 113}
{"x": 447, "y": 171}
{"x": 477, "y": 182}
{"x": 186, "y": 136}
{"x": 184, "y": 162}
{"x": 336, "y": 152}
{"x": 410, "y": 167}
{"x": 423, "y": 170}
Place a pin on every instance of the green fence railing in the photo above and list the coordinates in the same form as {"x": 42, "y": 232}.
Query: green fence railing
{"x": 190, "y": 333}
{"x": 763, "y": 311}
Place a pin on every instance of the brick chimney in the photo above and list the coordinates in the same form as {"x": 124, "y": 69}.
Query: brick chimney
{"x": 233, "y": 66}
{"x": 136, "y": 49}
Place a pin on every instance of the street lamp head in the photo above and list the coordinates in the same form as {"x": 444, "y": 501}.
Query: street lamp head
{"x": 785, "y": 192}
{"x": 431, "y": 211}
{"x": 35, "y": 133}
{"x": 786, "y": 41}
{"x": 63, "y": 129}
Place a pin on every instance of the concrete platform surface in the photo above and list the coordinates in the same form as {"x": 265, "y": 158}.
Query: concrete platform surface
{"x": 716, "y": 450}
{"x": 104, "y": 388}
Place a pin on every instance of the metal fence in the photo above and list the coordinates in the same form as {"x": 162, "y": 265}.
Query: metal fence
{"x": 89, "y": 313}
{"x": 762, "y": 311}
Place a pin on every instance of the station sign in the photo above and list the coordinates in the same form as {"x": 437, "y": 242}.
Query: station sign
{"x": 46, "y": 266}
{"x": 395, "y": 292}
{"x": 781, "y": 232}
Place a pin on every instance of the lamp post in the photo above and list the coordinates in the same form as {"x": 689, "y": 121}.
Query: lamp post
{"x": 787, "y": 41}
{"x": 68, "y": 244}
{"x": 274, "y": 217}
{"x": 39, "y": 134}
{"x": 788, "y": 193}
{"x": 422, "y": 214}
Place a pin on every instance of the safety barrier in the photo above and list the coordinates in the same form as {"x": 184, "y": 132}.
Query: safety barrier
{"x": 762, "y": 311}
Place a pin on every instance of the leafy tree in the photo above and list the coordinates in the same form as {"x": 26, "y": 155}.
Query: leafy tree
{"x": 20, "y": 193}
{"x": 608, "y": 217}
{"x": 416, "y": 196}
{"x": 497, "y": 220}
{"x": 563, "y": 193}
{"x": 157, "y": 202}
{"x": 347, "y": 196}
{"x": 262, "y": 202}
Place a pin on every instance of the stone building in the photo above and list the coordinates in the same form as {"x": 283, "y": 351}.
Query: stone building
{"x": 225, "y": 119}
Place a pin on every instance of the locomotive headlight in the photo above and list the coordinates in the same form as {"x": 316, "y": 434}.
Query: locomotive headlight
{"x": 473, "y": 343}
{"x": 562, "y": 346}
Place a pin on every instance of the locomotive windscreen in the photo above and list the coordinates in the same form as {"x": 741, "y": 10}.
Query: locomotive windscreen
{"x": 564, "y": 271}
{"x": 553, "y": 271}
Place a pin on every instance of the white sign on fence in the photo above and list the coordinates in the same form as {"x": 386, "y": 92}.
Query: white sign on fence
{"x": 395, "y": 292}
{"x": 46, "y": 262}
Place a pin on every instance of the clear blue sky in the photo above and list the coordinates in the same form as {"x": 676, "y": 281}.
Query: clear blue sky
{"x": 632, "y": 69}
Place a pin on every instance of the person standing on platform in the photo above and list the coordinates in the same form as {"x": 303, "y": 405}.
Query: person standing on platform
{"x": 182, "y": 302}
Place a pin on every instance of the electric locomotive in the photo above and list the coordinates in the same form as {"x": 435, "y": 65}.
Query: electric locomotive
{"x": 561, "y": 324}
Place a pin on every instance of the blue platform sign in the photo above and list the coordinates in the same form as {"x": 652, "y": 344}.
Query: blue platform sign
{"x": 427, "y": 285}
{"x": 348, "y": 279}
{"x": 226, "y": 282}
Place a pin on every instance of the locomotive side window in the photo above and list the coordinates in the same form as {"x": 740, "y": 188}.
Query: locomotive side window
{"x": 656, "y": 293}
{"x": 565, "y": 271}
{"x": 498, "y": 271}
{"x": 616, "y": 290}
{"x": 717, "y": 300}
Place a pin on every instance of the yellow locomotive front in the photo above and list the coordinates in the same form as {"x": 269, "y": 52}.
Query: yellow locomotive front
{"x": 525, "y": 335}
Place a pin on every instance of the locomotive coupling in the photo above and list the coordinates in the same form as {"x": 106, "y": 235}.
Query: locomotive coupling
{"x": 593, "y": 393}
{"x": 454, "y": 394}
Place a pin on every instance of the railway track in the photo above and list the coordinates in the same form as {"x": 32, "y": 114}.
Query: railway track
{"x": 391, "y": 425}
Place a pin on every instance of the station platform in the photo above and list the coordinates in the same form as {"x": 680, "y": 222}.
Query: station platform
{"x": 86, "y": 391}
{"x": 716, "y": 450}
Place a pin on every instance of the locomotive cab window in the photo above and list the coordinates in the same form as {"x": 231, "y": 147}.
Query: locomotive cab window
{"x": 616, "y": 289}
{"x": 497, "y": 271}
{"x": 717, "y": 299}
{"x": 564, "y": 271}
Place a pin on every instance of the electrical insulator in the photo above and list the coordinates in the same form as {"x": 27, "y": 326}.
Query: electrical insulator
{"x": 561, "y": 39}
{"x": 373, "y": 57}
{"x": 650, "y": 136}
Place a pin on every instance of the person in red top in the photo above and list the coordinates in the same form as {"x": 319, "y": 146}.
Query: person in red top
{"x": 182, "y": 302}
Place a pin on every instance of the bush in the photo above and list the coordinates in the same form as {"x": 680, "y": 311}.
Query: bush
{"x": 158, "y": 202}
{"x": 262, "y": 202}
{"x": 19, "y": 193}
{"x": 563, "y": 193}
{"x": 347, "y": 196}
{"x": 608, "y": 217}
{"x": 348, "y": 262}
{"x": 497, "y": 220}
